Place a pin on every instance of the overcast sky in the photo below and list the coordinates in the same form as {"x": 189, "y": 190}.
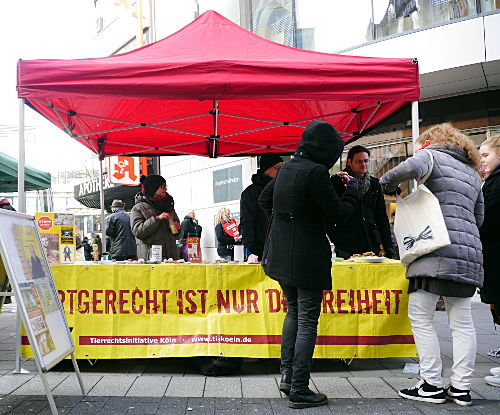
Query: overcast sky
{"x": 41, "y": 29}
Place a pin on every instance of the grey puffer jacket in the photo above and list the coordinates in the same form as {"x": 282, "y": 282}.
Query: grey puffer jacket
{"x": 149, "y": 230}
{"x": 457, "y": 186}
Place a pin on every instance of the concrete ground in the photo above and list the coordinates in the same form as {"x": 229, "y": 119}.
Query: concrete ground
{"x": 171, "y": 386}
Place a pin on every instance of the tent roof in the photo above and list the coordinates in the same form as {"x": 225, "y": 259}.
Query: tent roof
{"x": 213, "y": 88}
{"x": 34, "y": 179}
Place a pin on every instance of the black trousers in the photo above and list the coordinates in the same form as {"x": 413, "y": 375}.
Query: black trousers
{"x": 298, "y": 338}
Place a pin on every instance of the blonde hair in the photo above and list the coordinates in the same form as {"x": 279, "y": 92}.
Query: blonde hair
{"x": 494, "y": 143}
{"x": 222, "y": 214}
{"x": 449, "y": 136}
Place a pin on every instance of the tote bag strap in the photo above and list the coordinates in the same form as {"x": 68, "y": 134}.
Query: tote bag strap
{"x": 424, "y": 179}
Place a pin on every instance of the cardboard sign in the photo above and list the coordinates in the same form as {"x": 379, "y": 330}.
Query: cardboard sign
{"x": 155, "y": 253}
{"x": 57, "y": 231}
{"x": 231, "y": 228}
{"x": 193, "y": 249}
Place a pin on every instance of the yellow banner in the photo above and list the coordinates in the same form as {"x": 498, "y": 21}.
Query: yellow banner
{"x": 176, "y": 310}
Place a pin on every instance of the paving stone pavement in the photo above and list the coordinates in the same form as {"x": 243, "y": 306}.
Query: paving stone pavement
{"x": 172, "y": 386}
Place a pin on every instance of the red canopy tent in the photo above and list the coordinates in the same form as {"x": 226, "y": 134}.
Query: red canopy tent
{"x": 213, "y": 89}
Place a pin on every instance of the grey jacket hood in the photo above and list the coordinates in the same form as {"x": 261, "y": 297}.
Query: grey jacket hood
{"x": 320, "y": 143}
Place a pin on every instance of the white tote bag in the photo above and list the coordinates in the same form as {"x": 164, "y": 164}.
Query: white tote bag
{"x": 419, "y": 224}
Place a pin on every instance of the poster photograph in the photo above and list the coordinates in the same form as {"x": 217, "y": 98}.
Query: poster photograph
{"x": 67, "y": 235}
{"x": 64, "y": 219}
{"x": 50, "y": 242}
{"x": 39, "y": 325}
{"x": 67, "y": 253}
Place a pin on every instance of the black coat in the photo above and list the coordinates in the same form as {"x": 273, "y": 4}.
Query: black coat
{"x": 87, "y": 251}
{"x": 369, "y": 226}
{"x": 253, "y": 219}
{"x": 122, "y": 239}
{"x": 304, "y": 207}
{"x": 190, "y": 228}
{"x": 490, "y": 238}
{"x": 225, "y": 242}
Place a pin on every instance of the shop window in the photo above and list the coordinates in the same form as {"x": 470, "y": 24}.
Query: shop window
{"x": 394, "y": 17}
{"x": 490, "y": 5}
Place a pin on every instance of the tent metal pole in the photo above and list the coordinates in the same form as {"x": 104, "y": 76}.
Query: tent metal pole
{"x": 415, "y": 127}
{"x": 21, "y": 161}
{"x": 152, "y": 20}
{"x": 101, "y": 199}
{"x": 50, "y": 200}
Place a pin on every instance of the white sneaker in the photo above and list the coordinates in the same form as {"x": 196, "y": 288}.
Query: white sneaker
{"x": 495, "y": 371}
{"x": 493, "y": 380}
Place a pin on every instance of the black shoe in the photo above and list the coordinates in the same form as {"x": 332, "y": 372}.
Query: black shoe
{"x": 424, "y": 392}
{"x": 286, "y": 383}
{"x": 459, "y": 396}
{"x": 307, "y": 399}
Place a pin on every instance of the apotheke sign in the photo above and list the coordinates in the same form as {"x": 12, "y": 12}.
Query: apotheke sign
{"x": 90, "y": 187}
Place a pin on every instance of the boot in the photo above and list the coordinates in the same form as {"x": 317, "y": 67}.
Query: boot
{"x": 286, "y": 383}
{"x": 306, "y": 399}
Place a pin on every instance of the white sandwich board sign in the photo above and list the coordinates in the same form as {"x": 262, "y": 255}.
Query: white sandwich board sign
{"x": 35, "y": 292}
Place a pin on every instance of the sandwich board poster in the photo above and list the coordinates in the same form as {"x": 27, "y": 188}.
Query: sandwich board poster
{"x": 32, "y": 283}
{"x": 57, "y": 231}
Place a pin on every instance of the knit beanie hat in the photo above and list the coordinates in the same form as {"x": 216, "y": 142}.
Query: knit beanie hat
{"x": 269, "y": 160}
{"x": 151, "y": 183}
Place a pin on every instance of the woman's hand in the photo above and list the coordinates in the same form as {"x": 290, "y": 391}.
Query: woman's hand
{"x": 177, "y": 225}
{"x": 164, "y": 215}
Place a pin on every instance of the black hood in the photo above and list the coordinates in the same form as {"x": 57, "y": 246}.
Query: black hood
{"x": 260, "y": 179}
{"x": 320, "y": 143}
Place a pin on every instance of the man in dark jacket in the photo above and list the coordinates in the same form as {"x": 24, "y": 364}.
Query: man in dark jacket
{"x": 253, "y": 219}
{"x": 369, "y": 227}
{"x": 297, "y": 253}
{"x": 118, "y": 229}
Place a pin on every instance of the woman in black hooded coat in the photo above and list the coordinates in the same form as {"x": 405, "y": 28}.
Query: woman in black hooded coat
{"x": 297, "y": 254}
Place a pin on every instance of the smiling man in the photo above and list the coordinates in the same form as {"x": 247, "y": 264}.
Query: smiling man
{"x": 368, "y": 228}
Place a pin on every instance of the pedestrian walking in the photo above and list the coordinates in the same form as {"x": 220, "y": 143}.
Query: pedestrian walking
{"x": 87, "y": 249}
{"x": 453, "y": 271}
{"x": 303, "y": 207}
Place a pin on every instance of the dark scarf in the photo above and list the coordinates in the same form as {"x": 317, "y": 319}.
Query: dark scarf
{"x": 363, "y": 182}
{"x": 163, "y": 204}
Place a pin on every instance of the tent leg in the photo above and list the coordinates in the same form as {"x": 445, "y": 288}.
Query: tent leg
{"x": 50, "y": 200}
{"x": 20, "y": 169}
{"x": 415, "y": 127}
{"x": 415, "y": 132}
{"x": 101, "y": 198}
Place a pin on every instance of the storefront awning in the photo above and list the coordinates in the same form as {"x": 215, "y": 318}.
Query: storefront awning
{"x": 87, "y": 194}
